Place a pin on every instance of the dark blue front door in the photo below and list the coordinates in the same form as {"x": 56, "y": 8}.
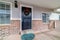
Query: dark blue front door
{"x": 26, "y": 18}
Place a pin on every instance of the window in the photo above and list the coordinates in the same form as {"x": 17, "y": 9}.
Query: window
{"x": 4, "y": 13}
{"x": 45, "y": 17}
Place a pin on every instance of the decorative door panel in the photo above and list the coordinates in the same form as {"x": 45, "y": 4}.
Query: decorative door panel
{"x": 26, "y": 17}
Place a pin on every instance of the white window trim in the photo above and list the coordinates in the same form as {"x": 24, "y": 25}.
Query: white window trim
{"x": 46, "y": 13}
{"x": 10, "y": 12}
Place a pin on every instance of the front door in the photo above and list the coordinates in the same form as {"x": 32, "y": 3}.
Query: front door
{"x": 26, "y": 13}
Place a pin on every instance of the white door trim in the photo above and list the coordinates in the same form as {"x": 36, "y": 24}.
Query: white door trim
{"x": 21, "y": 14}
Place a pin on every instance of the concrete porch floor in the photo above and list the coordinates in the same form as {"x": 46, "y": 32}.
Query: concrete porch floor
{"x": 50, "y": 35}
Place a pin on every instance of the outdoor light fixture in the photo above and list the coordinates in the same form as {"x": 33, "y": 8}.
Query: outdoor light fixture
{"x": 16, "y": 4}
{"x": 58, "y": 10}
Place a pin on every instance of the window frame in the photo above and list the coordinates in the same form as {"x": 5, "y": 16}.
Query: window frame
{"x": 9, "y": 13}
{"x": 47, "y": 21}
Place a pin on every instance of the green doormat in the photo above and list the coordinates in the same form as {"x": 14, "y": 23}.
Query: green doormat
{"x": 29, "y": 36}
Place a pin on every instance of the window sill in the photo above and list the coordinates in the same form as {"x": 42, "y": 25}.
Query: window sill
{"x": 4, "y": 24}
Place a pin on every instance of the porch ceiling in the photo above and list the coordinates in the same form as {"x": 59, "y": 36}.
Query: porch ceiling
{"x": 52, "y": 4}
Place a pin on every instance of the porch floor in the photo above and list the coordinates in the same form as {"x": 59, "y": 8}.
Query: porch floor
{"x": 50, "y": 35}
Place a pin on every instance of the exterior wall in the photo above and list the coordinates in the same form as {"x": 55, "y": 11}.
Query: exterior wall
{"x": 14, "y": 28}
{"x": 37, "y": 16}
{"x": 10, "y": 32}
{"x": 57, "y": 26}
{"x": 36, "y": 10}
{"x": 38, "y": 25}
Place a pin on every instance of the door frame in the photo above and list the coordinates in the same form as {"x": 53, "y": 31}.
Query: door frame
{"x": 22, "y": 5}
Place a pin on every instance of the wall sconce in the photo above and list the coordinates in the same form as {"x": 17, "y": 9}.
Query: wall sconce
{"x": 16, "y": 4}
{"x": 57, "y": 10}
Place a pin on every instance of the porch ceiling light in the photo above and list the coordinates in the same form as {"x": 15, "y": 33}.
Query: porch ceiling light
{"x": 16, "y": 3}
{"x": 58, "y": 10}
